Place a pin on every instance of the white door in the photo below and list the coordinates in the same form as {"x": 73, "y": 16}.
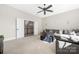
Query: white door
{"x": 20, "y": 28}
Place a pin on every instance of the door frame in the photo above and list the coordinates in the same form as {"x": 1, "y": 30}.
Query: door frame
{"x": 35, "y": 26}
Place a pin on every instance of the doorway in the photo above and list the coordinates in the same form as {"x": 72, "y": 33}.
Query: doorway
{"x": 28, "y": 28}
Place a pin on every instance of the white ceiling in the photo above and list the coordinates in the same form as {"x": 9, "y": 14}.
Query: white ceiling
{"x": 33, "y": 8}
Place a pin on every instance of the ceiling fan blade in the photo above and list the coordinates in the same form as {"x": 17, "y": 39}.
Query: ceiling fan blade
{"x": 39, "y": 11}
{"x": 49, "y": 10}
{"x": 48, "y": 7}
{"x": 44, "y": 12}
{"x": 40, "y": 7}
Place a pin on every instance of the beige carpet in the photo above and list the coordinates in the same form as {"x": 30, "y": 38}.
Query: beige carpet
{"x": 29, "y": 45}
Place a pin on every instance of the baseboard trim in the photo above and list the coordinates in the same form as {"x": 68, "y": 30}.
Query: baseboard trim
{"x": 8, "y": 39}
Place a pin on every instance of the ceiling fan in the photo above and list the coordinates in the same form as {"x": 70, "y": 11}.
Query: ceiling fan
{"x": 45, "y": 9}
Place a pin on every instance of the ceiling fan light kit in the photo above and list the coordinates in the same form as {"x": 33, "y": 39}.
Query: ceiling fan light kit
{"x": 45, "y": 9}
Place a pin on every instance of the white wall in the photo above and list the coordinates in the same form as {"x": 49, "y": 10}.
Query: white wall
{"x": 36, "y": 28}
{"x": 8, "y": 16}
{"x": 66, "y": 20}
